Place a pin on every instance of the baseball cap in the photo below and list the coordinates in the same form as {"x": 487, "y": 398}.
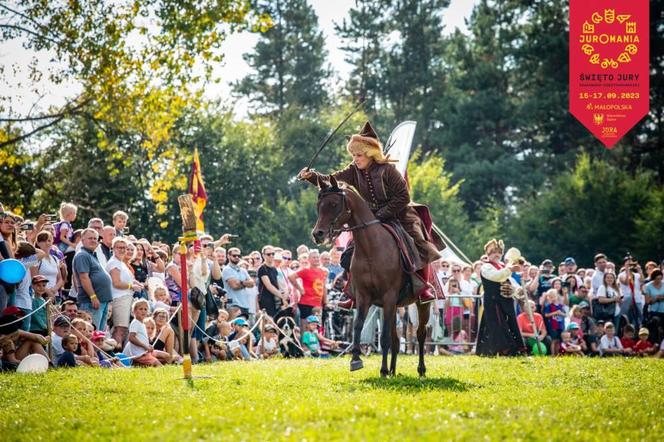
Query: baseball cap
{"x": 12, "y": 310}
{"x": 39, "y": 278}
{"x": 584, "y": 304}
{"x": 547, "y": 262}
{"x": 644, "y": 331}
{"x": 313, "y": 318}
{"x": 240, "y": 321}
{"x": 270, "y": 328}
{"x": 569, "y": 261}
{"x": 573, "y": 326}
{"x": 97, "y": 335}
{"x": 61, "y": 322}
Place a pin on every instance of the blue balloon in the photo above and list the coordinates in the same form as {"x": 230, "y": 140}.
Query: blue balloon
{"x": 11, "y": 271}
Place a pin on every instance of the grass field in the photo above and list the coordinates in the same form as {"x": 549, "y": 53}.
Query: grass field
{"x": 462, "y": 398}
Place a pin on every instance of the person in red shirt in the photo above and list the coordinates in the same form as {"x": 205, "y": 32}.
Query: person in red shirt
{"x": 643, "y": 346}
{"x": 526, "y": 327}
{"x": 627, "y": 340}
{"x": 314, "y": 292}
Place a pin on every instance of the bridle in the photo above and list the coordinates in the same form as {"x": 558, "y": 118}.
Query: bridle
{"x": 344, "y": 210}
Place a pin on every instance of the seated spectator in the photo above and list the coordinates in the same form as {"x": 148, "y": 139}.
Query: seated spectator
{"x": 312, "y": 339}
{"x": 138, "y": 344}
{"x": 643, "y": 347}
{"x": 18, "y": 343}
{"x": 459, "y": 336}
{"x": 627, "y": 339}
{"x": 268, "y": 345}
{"x": 151, "y": 328}
{"x": 240, "y": 338}
{"x": 609, "y": 344}
{"x": 526, "y": 327}
{"x": 68, "y": 356}
{"x": 576, "y": 337}
{"x": 85, "y": 353}
{"x": 567, "y": 347}
{"x": 165, "y": 333}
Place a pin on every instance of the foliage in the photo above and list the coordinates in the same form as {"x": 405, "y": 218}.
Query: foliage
{"x": 462, "y": 398}
{"x": 592, "y": 208}
{"x": 288, "y": 61}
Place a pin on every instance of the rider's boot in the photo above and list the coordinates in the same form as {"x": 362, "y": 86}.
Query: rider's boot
{"x": 424, "y": 294}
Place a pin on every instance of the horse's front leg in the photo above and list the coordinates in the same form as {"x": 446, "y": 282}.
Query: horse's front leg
{"x": 362, "y": 309}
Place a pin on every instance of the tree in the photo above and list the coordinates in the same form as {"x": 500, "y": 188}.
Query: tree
{"x": 363, "y": 34}
{"x": 595, "y": 207}
{"x": 288, "y": 61}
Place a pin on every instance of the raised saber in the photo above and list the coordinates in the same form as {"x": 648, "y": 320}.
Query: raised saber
{"x": 336, "y": 129}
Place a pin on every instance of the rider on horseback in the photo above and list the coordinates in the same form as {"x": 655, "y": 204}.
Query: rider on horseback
{"x": 385, "y": 190}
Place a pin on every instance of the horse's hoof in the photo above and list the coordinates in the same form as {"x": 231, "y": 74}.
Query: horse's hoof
{"x": 356, "y": 365}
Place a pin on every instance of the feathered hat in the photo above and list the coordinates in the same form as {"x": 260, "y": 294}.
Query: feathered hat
{"x": 367, "y": 142}
{"x": 494, "y": 244}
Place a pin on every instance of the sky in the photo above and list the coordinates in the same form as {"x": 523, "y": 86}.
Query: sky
{"x": 14, "y": 57}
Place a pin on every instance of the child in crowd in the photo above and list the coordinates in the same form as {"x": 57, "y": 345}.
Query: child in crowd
{"x": 628, "y": 340}
{"x": 85, "y": 353}
{"x": 458, "y": 336}
{"x": 160, "y": 298}
{"x": 312, "y": 339}
{"x": 151, "y": 328}
{"x": 38, "y": 319}
{"x": 61, "y": 328}
{"x": 554, "y": 315}
{"x": 268, "y": 345}
{"x": 64, "y": 231}
{"x": 609, "y": 344}
{"x": 223, "y": 315}
{"x": 576, "y": 317}
{"x": 220, "y": 349}
{"x": 567, "y": 346}
{"x": 68, "y": 357}
{"x": 138, "y": 344}
{"x": 643, "y": 347}
{"x": 576, "y": 337}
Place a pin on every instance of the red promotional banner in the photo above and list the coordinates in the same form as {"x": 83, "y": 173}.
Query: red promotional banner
{"x": 609, "y": 78}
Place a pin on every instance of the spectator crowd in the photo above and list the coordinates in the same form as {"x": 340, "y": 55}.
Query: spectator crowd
{"x": 99, "y": 296}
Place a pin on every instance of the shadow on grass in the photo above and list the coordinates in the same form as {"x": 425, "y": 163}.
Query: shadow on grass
{"x": 415, "y": 384}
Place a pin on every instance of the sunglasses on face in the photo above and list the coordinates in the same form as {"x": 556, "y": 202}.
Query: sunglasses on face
{"x": 286, "y": 258}
{"x": 234, "y": 256}
{"x": 456, "y": 271}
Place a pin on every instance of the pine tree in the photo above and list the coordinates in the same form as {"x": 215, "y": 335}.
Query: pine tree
{"x": 288, "y": 60}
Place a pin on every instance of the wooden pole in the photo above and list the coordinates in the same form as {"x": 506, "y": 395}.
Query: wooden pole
{"x": 186, "y": 365}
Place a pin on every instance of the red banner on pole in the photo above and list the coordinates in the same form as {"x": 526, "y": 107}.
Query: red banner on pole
{"x": 609, "y": 77}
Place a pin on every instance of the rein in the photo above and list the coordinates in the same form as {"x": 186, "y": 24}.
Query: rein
{"x": 332, "y": 232}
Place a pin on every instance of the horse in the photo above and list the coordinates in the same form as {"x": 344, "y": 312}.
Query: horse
{"x": 376, "y": 273}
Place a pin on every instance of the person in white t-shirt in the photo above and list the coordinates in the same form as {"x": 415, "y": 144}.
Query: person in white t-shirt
{"x": 138, "y": 345}
{"x": 609, "y": 344}
{"x": 633, "y": 302}
{"x": 123, "y": 286}
{"x": 608, "y": 294}
{"x": 598, "y": 275}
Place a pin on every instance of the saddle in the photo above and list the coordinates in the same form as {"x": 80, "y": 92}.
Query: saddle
{"x": 410, "y": 258}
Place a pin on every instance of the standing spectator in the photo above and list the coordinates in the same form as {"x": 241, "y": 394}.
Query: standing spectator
{"x": 120, "y": 219}
{"x": 237, "y": 281}
{"x": 94, "y": 284}
{"x": 631, "y": 278}
{"x": 545, "y": 279}
{"x": 173, "y": 276}
{"x": 569, "y": 270}
{"x": 122, "y": 289}
{"x": 29, "y": 256}
{"x": 314, "y": 292}
{"x": 654, "y": 291}
{"x": 554, "y": 314}
{"x": 606, "y": 305}
{"x": 598, "y": 275}
{"x": 48, "y": 266}
{"x": 334, "y": 268}
{"x": 97, "y": 224}
{"x": 105, "y": 249}
{"x": 69, "y": 309}
{"x": 38, "y": 319}
{"x": 271, "y": 298}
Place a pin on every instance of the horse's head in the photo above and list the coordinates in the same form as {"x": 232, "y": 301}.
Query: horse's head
{"x": 333, "y": 211}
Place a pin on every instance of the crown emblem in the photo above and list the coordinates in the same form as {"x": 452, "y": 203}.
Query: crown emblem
{"x": 598, "y": 119}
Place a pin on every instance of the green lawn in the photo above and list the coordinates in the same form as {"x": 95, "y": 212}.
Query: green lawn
{"x": 467, "y": 398}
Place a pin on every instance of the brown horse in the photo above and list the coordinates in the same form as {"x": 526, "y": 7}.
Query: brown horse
{"x": 376, "y": 272}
